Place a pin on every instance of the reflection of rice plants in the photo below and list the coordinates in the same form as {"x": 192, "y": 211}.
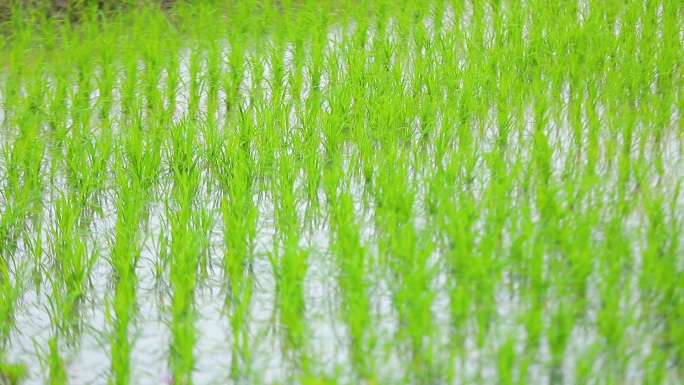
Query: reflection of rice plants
{"x": 343, "y": 192}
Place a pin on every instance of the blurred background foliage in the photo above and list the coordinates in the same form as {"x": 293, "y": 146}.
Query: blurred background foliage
{"x": 73, "y": 10}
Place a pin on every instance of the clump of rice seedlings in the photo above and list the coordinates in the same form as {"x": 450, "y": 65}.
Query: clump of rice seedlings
{"x": 239, "y": 215}
{"x": 71, "y": 266}
{"x": 187, "y": 226}
{"x": 354, "y": 262}
{"x": 289, "y": 263}
{"x": 12, "y": 374}
{"x": 124, "y": 256}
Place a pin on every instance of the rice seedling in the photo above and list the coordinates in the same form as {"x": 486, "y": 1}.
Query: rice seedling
{"x": 371, "y": 191}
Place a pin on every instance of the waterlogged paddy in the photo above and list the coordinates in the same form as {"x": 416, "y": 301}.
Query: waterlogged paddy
{"x": 371, "y": 193}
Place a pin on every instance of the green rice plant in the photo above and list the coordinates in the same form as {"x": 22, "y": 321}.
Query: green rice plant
{"x": 242, "y": 355}
{"x": 23, "y": 188}
{"x": 351, "y": 256}
{"x": 506, "y": 358}
{"x": 86, "y": 183}
{"x": 305, "y": 142}
{"x": 72, "y": 263}
{"x": 128, "y": 85}
{"x": 559, "y": 334}
{"x": 184, "y": 251}
{"x": 231, "y": 81}
{"x": 55, "y": 363}
{"x": 196, "y": 82}
{"x": 289, "y": 263}
{"x": 12, "y": 374}
{"x": 290, "y": 270}
{"x": 10, "y": 292}
{"x": 187, "y": 249}
{"x": 105, "y": 76}
{"x": 125, "y": 253}
{"x": 141, "y": 157}
{"x": 214, "y": 76}
{"x": 239, "y": 216}
{"x": 420, "y": 192}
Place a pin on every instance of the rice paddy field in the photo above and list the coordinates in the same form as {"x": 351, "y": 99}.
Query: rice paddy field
{"x": 344, "y": 192}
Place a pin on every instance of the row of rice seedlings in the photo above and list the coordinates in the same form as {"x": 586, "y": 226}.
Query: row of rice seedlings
{"x": 289, "y": 263}
{"x": 352, "y": 257}
{"x": 21, "y": 185}
{"x": 69, "y": 277}
{"x": 78, "y": 173}
{"x": 235, "y": 178}
{"x": 184, "y": 248}
{"x": 124, "y": 256}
